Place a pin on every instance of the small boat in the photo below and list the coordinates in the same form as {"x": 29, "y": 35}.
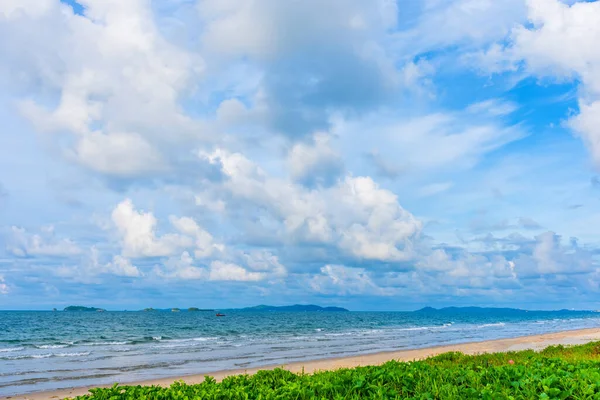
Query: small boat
{"x": 220, "y": 315}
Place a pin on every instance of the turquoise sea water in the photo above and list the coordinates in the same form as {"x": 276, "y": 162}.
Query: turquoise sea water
{"x": 51, "y": 350}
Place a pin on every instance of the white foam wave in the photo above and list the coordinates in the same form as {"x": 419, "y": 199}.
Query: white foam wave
{"x": 191, "y": 340}
{"x": 415, "y": 328}
{"x": 491, "y": 325}
{"x": 46, "y": 355}
{"x": 51, "y": 346}
{"x": 341, "y": 334}
{"x": 11, "y": 349}
{"x": 81, "y": 354}
{"x": 105, "y": 343}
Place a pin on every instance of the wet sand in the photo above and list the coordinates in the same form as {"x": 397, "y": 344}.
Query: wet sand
{"x": 535, "y": 342}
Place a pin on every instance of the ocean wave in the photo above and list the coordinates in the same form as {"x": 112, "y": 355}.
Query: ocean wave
{"x": 414, "y": 328}
{"x": 149, "y": 339}
{"x": 51, "y": 346}
{"x": 121, "y": 349}
{"x": 341, "y": 334}
{"x": 11, "y": 349}
{"x": 491, "y": 325}
{"x": 80, "y": 354}
{"x": 105, "y": 343}
{"x": 196, "y": 339}
{"x": 45, "y": 355}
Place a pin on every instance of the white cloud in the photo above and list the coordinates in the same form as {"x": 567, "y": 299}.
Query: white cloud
{"x": 222, "y": 271}
{"x": 433, "y": 141}
{"x": 587, "y": 125}
{"x": 258, "y": 266}
{"x": 465, "y": 23}
{"x": 24, "y": 244}
{"x": 121, "y": 154}
{"x": 467, "y": 269}
{"x": 264, "y": 262}
{"x": 3, "y": 286}
{"x": 354, "y": 215}
{"x": 90, "y": 267}
{"x": 137, "y": 230}
{"x": 315, "y": 162}
{"x": 341, "y": 280}
{"x": 561, "y": 43}
{"x": 16, "y": 8}
{"x": 118, "y": 81}
{"x": 181, "y": 267}
{"x": 550, "y": 257}
{"x": 203, "y": 241}
{"x": 122, "y": 266}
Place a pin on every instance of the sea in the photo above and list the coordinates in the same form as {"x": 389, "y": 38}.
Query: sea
{"x": 52, "y": 350}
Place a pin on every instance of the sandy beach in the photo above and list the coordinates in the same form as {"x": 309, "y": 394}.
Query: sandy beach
{"x": 535, "y": 342}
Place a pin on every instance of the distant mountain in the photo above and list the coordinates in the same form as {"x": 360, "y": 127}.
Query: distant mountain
{"x": 294, "y": 308}
{"x": 81, "y": 308}
{"x": 175, "y": 309}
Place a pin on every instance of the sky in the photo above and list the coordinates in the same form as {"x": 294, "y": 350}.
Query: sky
{"x": 373, "y": 155}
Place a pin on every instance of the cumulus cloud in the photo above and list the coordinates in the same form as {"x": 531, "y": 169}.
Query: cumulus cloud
{"x": 93, "y": 264}
{"x": 137, "y": 230}
{"x": 551, "y": 257}
{"x": 221, "y": 271}
{"x": 355, "y": 215}
{"x": 45, "y": 243}
{"x": 342, "y": 281}
{"x": 316, "y": 162}
{"x": 121, "y": 266}
{"x": 117, "y": 81}
{"x": 241, "y": 267}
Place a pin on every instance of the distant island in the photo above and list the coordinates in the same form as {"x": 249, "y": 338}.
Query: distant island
{"x": 260, "y": 308}
{"x": 483, "y": 310}
{"x": 176, "y": 309}
{"x": 81, "y": 308}
{"x": 294, "y": 308}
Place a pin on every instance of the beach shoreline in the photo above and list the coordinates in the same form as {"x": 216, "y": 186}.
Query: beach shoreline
{"x": 534, "y": 342}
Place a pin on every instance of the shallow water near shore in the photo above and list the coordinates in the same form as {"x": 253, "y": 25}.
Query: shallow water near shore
{"x": 51, "y": 350}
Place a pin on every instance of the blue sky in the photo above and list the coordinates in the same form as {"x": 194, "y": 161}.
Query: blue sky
{"x": 375, "y": 155}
